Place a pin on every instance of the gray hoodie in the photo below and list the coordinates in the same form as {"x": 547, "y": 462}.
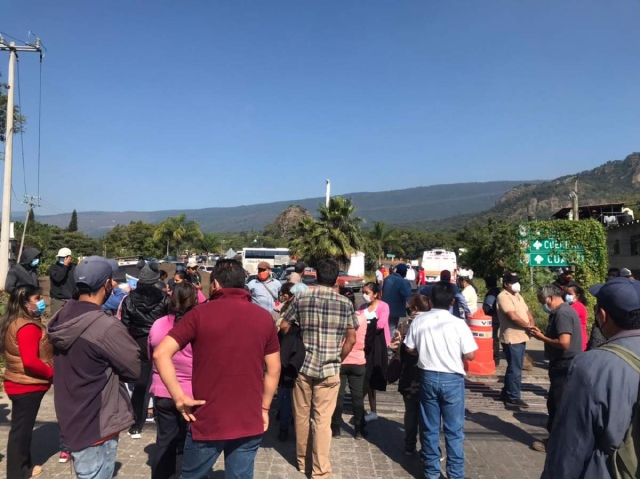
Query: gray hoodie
{"x": 93, "y": 355}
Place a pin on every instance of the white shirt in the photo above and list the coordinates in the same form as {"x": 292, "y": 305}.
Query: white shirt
{"x": 379, "y": 276}
{"x": 411, "y": 274}
{"x": 471, "y": 297}
{"x": 441, "y": 340}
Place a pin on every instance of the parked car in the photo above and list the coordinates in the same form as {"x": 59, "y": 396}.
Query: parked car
{"x": 353, "y": 282}
{"x": 201, "y": 259}
{"x": 206, "y": 268}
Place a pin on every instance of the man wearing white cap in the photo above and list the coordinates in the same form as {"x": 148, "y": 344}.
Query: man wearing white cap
{"x": 62, "y": 282}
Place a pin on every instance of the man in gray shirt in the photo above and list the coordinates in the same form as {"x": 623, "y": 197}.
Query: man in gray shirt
{"x": 562, "y": 342}
{"x": 265, "y": 290}
{"x": 601, "y": 391}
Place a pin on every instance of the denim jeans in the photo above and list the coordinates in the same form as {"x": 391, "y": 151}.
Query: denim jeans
{"x": 514, "y": 353}
{"x": 284, "y": 406}
{"x": 239, "y": 456}
{"x": 442, "y": 396}
{"x": 96, "y": 462}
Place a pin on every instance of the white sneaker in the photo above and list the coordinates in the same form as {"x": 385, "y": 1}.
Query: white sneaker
{"x": 372, "y": 416}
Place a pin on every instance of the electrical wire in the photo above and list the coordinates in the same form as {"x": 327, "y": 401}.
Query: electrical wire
{"x": 24, "y": 169}
{"x": 12, "y": 38}
{"x": 39, "y": 124}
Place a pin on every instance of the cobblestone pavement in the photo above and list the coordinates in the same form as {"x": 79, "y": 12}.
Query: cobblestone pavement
{"x": 497, "y": 441}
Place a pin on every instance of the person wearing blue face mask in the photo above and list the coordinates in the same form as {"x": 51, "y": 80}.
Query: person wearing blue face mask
{"x": 562, "y": 342}
{"x": 25, "y": 273}
{"x": 29, "y": 357}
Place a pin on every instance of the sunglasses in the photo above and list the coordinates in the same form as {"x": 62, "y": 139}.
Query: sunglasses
{"x": 261, "y": 270}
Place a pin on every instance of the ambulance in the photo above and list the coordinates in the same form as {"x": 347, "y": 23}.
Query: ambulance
{"x": 437, "y": 260}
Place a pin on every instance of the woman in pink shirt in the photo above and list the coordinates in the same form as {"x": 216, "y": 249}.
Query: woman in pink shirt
{"x": 171, "y": 427}
{"x": 575, "y": 297}
{"x": 352, "y": 371}
{"x": 375, "y": 310}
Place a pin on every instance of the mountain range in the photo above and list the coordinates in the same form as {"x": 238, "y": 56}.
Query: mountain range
{"x": 437, "y": 207}
{"x": 393, "y": 207}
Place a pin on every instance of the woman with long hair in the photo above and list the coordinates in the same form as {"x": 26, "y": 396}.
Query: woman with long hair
{"x": 28, "y": 375}
{"x": 170, "y": 425}
{"x": 378, "y": 339}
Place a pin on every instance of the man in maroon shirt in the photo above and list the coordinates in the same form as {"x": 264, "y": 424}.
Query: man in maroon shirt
{"x": 232, "y": 339}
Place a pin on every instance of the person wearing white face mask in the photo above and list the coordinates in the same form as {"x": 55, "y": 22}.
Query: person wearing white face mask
{"x": 515, "y": 321}
{"x": 377, "y": 340}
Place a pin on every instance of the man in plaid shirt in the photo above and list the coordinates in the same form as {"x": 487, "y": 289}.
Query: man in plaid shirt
{"x": 328, "y": 325}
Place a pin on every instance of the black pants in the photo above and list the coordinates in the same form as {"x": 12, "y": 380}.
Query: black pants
{"x": 496, "y": 342}
{"x": 558, "y": 378}
{"x": 354, "y": 375}
{"x": 171, "y": 433}
{"x": 412, "y": 418}
{"x": 24, "y": 410}
{"x": 140, "y": 396}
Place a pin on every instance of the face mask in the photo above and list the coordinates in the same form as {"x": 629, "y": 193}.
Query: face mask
{"x": 40, "y": 307}
{"x": 569, "y": 298}
{"x": 61, "y": 260}
{"x": 515, "y": 287}
{"x": 263, "y": 276}
{"x": 546, "y": 308}
{"x": 35, "y": 262}
{"x": 366, "y": 298}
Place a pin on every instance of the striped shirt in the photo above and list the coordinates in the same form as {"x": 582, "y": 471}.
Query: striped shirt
{"x": 324, "y": 316}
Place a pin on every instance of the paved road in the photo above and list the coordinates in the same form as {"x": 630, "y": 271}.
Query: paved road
{"x": 497, "y": 441}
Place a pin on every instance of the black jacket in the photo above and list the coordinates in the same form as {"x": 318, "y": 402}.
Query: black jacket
{"x": 292, "y": 354}
{"x": 62, "y": 282}
{"x": 375, "y": 350}
{"x": 23, "y": 274}
{"x": 142, "y": 308}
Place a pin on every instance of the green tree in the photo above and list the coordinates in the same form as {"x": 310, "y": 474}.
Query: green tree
{"x": 336, "y": 234}
{"x": 136, "y": 238}
{"x": 209, "y": 243}
{"x": 19, "y": 121}
{"x": 73, "y": 224}
{"x": 176, "y": 230}
{"x": 384, "y": 240}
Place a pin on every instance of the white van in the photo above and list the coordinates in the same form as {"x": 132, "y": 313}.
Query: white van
{"x": 437, "y": 260}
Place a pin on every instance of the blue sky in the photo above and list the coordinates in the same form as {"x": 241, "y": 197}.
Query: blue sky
{"x": 255, "y": 101}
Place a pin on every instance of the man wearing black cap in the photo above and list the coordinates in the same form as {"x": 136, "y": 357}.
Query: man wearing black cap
{"x": 515, "y": 320}
{"x": 93, "y": 357}
{"x": 601, "y": 391}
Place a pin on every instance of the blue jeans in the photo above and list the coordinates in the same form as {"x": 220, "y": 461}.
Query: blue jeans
{"x": 239, "y": 456}
{"x": 96, "y": 462}
{"x": 284, "y": 406}
{"x": 442, "y": 396}
{"x": 514, "y": 353}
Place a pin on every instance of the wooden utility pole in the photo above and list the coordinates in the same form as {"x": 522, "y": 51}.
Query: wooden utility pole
{"x": 574, "y": 198}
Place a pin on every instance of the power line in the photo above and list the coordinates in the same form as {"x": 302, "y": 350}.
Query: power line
{"x": 24, "y": 168}
{"x": 12, "y": 38}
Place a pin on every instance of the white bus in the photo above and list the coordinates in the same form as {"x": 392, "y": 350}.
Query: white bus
{"x": 274, "y": 256}
{"x": 437, "y": 260}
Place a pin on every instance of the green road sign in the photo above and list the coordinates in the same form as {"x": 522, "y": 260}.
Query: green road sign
{"x": 545, "y": 245}
{"x": 550, "y": 260}
{"x": 391, "y": 256}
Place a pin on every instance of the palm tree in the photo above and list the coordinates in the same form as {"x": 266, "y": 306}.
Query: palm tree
{"x": 336, "y": 234}
{"x": 175, "y": 230}
{"x": 384, "y": 238}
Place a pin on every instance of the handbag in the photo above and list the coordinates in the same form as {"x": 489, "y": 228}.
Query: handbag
{"x": 274, "y": 314}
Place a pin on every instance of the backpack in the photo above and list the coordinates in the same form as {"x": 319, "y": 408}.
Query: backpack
{"x": 623, "y": 460}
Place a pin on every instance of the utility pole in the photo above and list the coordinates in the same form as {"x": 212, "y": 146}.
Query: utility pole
{"x": 574, "y": 198}
{"x": 13, "y": 50}
{"x": 30, "y": 200}
{"x": 328, "y": 193}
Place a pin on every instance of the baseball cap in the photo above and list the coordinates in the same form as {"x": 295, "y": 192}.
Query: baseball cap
{"x": 618, "y": 296}
{"x": 64, "y": 252}
{"x": 114, "y": 264}
{"x": 93, "y": 272}
{"x": 625, "y": 273}
{"x": 401, "y": 269}
{"x": 511, "y": 278}
{"x": 264, "y": 265}
{"x": 192, "y": 264}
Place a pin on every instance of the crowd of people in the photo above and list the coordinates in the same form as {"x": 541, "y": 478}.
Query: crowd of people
{"x": 166, "y": 352}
